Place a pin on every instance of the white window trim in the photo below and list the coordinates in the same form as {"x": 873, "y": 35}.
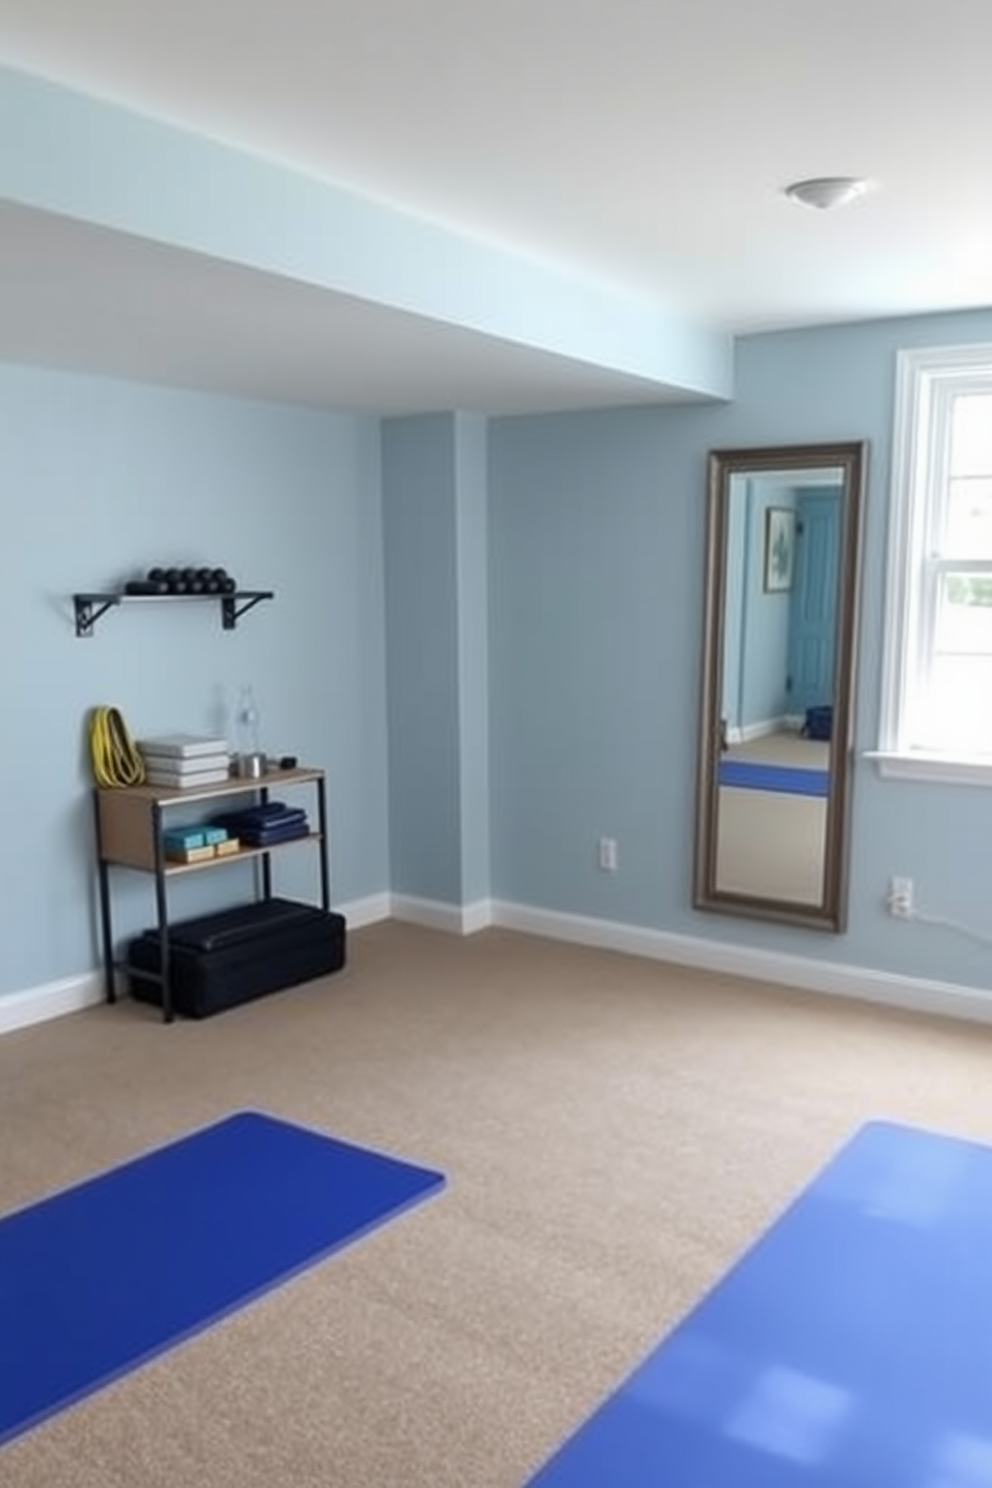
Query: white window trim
{"x": 912, "y": 403}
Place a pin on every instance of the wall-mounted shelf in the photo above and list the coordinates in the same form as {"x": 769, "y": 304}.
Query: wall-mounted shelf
{"x": 90, "y": 607}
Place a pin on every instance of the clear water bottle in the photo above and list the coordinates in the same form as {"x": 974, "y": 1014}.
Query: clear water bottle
{"x": 247, "y": 740}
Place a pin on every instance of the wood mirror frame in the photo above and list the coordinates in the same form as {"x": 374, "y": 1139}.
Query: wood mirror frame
{"x": 841, "y": 465}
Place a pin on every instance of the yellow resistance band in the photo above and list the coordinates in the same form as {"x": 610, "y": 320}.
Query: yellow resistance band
{"x": 115, "y": 759}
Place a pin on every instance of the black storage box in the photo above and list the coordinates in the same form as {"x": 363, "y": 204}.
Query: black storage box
{"x": 220, "y": 960}
{"x": 819, "y": 722}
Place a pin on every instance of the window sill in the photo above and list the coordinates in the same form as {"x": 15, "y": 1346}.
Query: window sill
{"x": 938, "y": 769}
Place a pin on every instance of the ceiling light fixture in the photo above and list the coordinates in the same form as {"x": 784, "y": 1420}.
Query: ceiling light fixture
{"x": 825, "y": 192}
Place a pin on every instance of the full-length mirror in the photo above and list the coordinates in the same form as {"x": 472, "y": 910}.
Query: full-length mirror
{"x": 783, "y": 538}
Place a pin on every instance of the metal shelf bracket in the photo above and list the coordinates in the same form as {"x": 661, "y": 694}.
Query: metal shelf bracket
{"x": 232, "y": 610}
{"x": 90, "y": 607}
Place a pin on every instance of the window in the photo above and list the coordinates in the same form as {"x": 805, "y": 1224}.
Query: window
{"x": 937, "y": 698}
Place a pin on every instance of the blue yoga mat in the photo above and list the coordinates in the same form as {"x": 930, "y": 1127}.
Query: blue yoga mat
{"x": 786, "y": 779}
{"x": 101, "y": 1277}
{"x": 850, "y": 1348}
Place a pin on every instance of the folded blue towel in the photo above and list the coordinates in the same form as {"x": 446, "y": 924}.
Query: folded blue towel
{"x": 267, "y": 836}
{"x": 254, "y": 818}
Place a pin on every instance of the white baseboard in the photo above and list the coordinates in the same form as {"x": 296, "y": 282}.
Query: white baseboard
{"x": 477, "y": 916}
{"x": 434, "y": 914}
{"x": 52, "y": 1000}
{"x": 915, "y": 994}
{"x": 73, "y": 994}
{"x": 759, "y": 730}
{"x": 836, "y": 979}
{"x": 367, "y": 911}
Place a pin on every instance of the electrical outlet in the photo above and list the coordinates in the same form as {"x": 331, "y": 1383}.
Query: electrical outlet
{"x": 608, "y": 860}
{"x": 901, "y": 898}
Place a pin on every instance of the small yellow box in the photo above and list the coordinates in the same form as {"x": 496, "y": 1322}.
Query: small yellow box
{"x": 227, "y": 847}
{"x": 189, "y": 854}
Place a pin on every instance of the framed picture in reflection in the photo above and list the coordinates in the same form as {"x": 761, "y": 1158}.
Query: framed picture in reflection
{"x": 780, "y": 548}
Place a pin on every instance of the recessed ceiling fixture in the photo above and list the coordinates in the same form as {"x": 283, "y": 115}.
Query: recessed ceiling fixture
{"x": 824, "y": 192}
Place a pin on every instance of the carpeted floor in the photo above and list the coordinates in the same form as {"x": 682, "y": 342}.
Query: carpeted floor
{"x": 769, "y": 844}
{"x": 614, "y": 1133}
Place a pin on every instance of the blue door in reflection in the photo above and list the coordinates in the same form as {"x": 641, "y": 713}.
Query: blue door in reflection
{"x": 813, "y": 606}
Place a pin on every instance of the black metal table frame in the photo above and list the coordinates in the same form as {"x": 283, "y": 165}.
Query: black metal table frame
{"x": 111, "y": 965}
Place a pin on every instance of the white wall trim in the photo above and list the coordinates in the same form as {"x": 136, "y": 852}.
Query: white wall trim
{"x": 73, "y": 994}
{"x": 763, "y": 729}
{"x": 914, "y": 765}
{"x": 839, "y": 979}
{"x": 925, "y": 379}
{"x": 897, "y": 617}
{"x": 367, "y": 911}
{"x": 760, "y": 730}
{"x": 916, "y": 994}
{"x": 51, "y": 1000}
{"x": 477, "y": 916}
{"x": 434, "y": 914}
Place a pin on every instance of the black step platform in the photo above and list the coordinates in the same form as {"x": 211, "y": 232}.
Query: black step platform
{"x": 220, "y": 960}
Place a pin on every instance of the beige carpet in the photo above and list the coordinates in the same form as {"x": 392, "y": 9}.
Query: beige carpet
{"x": 615, "y": 1132}
{"x": 786, "y": 747}
{"x": 771, "y": 844}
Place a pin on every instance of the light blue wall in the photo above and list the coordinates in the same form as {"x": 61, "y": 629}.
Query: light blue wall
{"x": 100, "y": 478}
{"x": 434, "y": 503}
{"x": 597, "y": 531}
{"x": 421, "y": 568}
{"x": 765, "y": 662}
{"x": 544, "y": 620}
{"x": 471, "y": 464}
{"x": 594, "y": 612}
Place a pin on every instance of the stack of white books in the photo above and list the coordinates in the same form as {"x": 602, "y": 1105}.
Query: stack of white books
{"x": 183, "y": 761}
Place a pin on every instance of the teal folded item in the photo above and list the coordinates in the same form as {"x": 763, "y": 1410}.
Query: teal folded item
{"x": 181, "y": 839}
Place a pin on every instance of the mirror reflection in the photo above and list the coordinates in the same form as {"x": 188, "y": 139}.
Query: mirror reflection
{"x": 771, "y": 830}
{"x": 779, "y": 648}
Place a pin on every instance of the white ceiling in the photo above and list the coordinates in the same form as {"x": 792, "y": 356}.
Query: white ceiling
{"x": 640, "y": 143}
